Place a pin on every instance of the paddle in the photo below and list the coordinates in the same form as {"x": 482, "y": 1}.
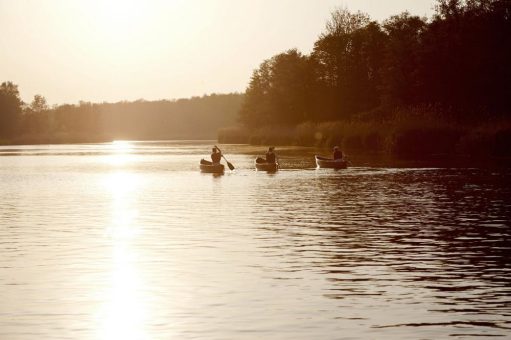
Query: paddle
{"x": 229, "y": 164}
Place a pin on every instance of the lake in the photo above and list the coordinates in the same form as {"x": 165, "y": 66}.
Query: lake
{"x": 128, "y": 240}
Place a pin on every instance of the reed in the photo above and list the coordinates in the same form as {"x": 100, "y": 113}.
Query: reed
{"x": 408, "y": 132}
{"x": 234, "y": 135}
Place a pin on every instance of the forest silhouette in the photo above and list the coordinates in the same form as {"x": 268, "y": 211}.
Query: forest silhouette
{"x": 408, "y": 85}
{"x": 36, "y": 122}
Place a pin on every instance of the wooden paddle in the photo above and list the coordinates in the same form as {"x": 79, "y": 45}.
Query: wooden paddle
{"x": 229, "y": 164}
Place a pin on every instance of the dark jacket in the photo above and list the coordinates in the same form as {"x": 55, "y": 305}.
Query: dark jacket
{"x": 337, "y": 154}
{"x": 216, "y": 157}
{"x": 270, "y": 157}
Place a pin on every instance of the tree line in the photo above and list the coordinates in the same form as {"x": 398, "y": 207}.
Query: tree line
{"x": 459, "y": 61}
{"x": 37, "y": 122}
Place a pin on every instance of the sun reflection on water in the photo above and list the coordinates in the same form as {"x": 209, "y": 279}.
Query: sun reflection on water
{"x": 120, "y": 152}
{"x": 123, "y": 313}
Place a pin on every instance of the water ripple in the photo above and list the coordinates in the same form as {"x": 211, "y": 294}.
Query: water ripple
{"x": 99, "y": 243}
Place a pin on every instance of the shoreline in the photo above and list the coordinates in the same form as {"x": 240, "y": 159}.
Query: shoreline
{"x": 414, "y": 140}
{"x": 361, "y": 157}
{"x": 93, "y": 140}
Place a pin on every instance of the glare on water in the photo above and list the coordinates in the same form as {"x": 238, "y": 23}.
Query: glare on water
{"x": 128, "y": 240}
{"x": 124, "y": 313}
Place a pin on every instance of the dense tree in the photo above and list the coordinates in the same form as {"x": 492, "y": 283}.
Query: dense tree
{"x": 343, "y": 22}
{"x": 39, "y": 104}
{"x": 10, "y": 109}
{"x": 459, "y": 61}
{"x": 466, "y": 53}
{"x": 401, "y": 81}
{"x": 36, "y": 118}
{"x": 197, "y": 117}
{"x": 348, "y": 67}
{"x": 279, "y": 91}
{"x": 338, "y": 60}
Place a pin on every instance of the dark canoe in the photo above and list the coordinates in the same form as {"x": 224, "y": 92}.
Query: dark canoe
{"x": 261, "y": 165}
{"x": 323, "y": 162}
{"x": 209, "y": 167}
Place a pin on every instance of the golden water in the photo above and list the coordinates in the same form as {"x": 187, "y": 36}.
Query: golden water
{"x": 129, "y": 240}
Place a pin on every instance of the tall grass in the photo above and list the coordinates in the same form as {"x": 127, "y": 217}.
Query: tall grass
{"x": 409, "y": 132}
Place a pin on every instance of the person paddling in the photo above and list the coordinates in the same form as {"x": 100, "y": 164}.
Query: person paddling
{"x": 216, "y": 155}
{"x": 270, "y": 155}
{"x": 337, "y": 154}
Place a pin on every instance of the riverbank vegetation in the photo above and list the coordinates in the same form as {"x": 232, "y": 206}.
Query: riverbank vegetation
{"x": 408, "y": 85}
{"x": 37, "y": 123}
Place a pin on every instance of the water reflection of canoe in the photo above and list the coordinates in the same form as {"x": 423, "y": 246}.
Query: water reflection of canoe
{"x": 209, "y": 167}
{"x": 262, "y": 165}
{"x": 323, "y": 162}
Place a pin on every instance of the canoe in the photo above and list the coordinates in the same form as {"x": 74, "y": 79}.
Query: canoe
{"x": 209, "y": 167}
{"x": 262, "y": 165}
{"x": 323, "y": 162}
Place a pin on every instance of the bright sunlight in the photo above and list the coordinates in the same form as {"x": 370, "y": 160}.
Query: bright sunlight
{"x": 119, "y": 19}
{"x": 120, "y": 152}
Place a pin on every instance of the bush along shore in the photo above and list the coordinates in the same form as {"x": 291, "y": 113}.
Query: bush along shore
{"x": 404, "y": 138}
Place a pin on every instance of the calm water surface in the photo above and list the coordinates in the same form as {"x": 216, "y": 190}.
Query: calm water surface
{"x": 131, "y": 241}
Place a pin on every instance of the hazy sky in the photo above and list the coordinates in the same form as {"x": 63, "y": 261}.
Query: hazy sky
{"x": 111, "y": 50}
